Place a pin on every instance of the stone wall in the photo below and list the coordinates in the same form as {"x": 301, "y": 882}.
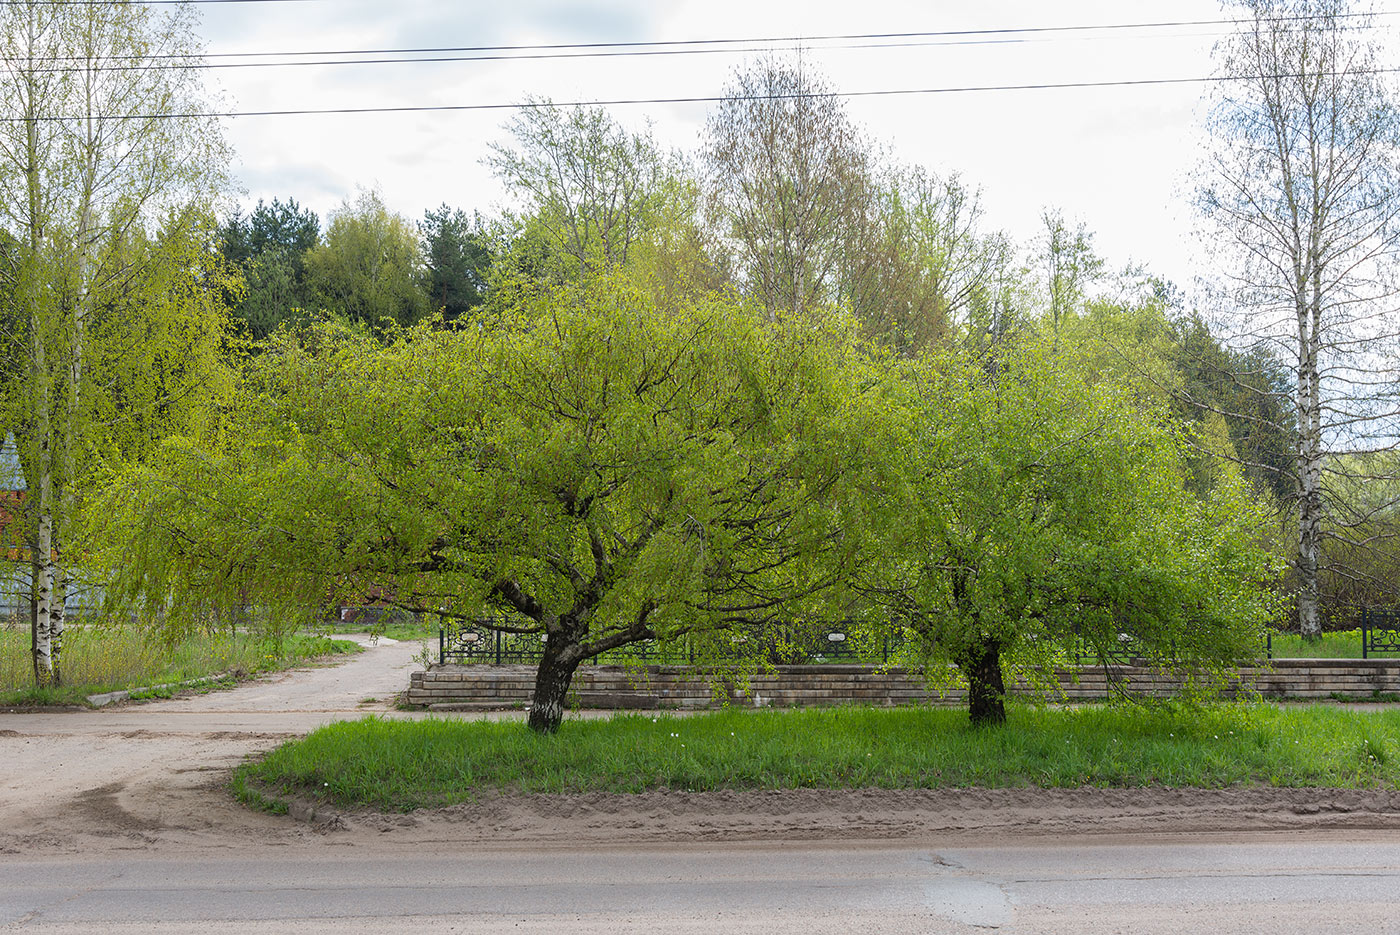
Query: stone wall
{"x": 481, "y": 686}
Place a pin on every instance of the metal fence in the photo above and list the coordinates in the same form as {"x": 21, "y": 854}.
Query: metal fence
{"x": 482, "y": 642}
{"x": 1380, "y": 631}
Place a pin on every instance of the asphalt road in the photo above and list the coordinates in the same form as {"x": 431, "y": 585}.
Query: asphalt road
{"x": 1268, "y": 885}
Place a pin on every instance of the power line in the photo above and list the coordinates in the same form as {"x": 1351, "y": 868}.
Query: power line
{"x": 631, "y": 53}
{"x": 706, "y": 99}
{"x": 678, "y": 46}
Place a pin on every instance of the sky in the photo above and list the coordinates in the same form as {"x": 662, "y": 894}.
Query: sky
{"x": 1119, "y": 159}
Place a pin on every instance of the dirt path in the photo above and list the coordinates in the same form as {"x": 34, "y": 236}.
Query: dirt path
{"x": 148, "y": 774}
{"x": 151, "y": 778}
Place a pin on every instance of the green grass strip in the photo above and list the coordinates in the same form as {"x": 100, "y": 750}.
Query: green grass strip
{"x": 403, "y": 765}
{"x": 99, "y": 659}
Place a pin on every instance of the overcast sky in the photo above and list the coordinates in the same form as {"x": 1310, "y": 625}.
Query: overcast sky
{"x": 1118, "y": 159}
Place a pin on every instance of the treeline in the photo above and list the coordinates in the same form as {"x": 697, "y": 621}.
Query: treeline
{"x": 787, "y": 203}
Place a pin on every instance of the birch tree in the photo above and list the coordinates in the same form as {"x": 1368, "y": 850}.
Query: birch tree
{"x": 1303, "y": 187}
{"x": 594, "y": 188}
{"x": 790, "y": 180}
{"x": 88, "y": 158}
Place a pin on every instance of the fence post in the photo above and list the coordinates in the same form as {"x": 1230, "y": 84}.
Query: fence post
{"x": 498, "y": 647}
{"x": 1365, "y": 629}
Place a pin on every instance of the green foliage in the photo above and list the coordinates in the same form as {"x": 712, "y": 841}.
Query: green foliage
{"x": 1029, "y": 508}
{"x": 591, "y": 185}
{"x": 918, "y": 262}
{"x": 600, "y": 472}
{"x": 458, "y": 261}
{"x": 370, "y": 267}
{"x": 401, "y": 766}
{"x": 281, "y": 227}
{"x": 790, "y": 180}
{"x": 158, "y": 347}
{"x": 270, "y": 246}
{"x": 1251, "y": 392}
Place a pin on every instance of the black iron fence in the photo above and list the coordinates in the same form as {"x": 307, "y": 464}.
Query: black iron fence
{"x": 482, "y": 642}
{"x": 1380, "y": 631}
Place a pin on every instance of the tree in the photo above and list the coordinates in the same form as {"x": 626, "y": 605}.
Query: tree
{"x": 1030, "y": 511}
{"x": 919, "y": 264}
{"x": 1070, "y": 264}
{"x": 270, "y": 247}
{"x": 592, "y": 187}
{"x": 280, "y": 227}
{"x": 370, "y": 267}
{"x": 790, "y": 181}
{"x": 87, "y": 162}
{"x": 593, "y": 470}
{"x": 458, "y": 259}
{"x": 1251, "y": 392}
{"x": 1303, "y": 185}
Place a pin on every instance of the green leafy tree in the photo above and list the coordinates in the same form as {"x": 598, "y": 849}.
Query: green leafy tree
{"x": 85, "y": 172}
{"x": 917, "y": 264}
{"x": 457, "y": 252}
{"x": 1070, "y": 265}
{"x": 370, "y": 266}
{"x": 1030, "y": 510}
{"x": 599, "y": 199}
{"x": 596, "y": 471}
{"x": 270, "y": 246}
{"x": 1251, "y": 392}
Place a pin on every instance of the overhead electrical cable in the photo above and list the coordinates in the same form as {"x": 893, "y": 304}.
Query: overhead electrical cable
{"x": 673, "y": 46}
{"x": 704, "y": 99}
{"x": 735, "y": 50}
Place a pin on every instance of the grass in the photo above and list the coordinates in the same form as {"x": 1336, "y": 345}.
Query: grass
{"x": 108, "y": 658}
{"x": 406, "y": 630}
{"x": 391, "y": 765}
{"x": 1337, "y": 644}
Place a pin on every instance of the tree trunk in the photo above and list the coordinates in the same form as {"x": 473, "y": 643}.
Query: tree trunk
{"x": 41, "y": 623}
{"x": 1310, "y": 502}
{"x": 552, "y": 679}
{"x": 986, "y": 690}
{"x": 58, "y": 616}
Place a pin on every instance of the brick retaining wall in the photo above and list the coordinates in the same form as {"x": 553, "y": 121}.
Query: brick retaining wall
{"x": 814, "y": 685}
